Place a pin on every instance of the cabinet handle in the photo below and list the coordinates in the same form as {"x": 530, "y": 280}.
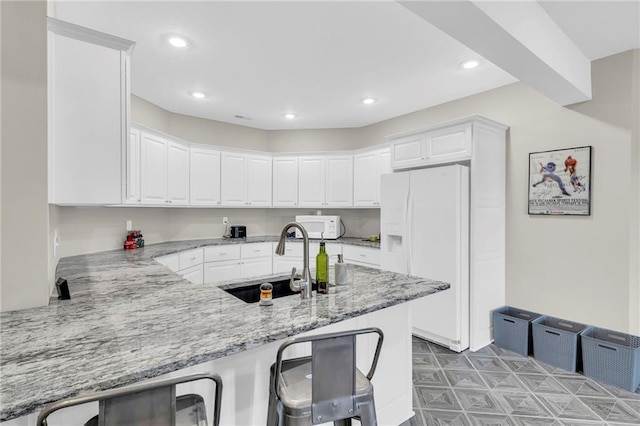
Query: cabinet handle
{"x": 363, "y": 255}
{"x": 193, "y": 258}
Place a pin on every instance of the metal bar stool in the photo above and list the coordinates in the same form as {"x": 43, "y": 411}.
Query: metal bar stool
{"x": 151, "y": 403}
{"x": 323, "y": 387}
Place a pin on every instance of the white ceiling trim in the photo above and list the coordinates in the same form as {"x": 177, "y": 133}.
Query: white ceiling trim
{"x": 519, "y": 37}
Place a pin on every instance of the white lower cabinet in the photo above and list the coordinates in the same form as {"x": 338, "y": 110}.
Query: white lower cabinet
{"x": 193, "y": 274}
{"x": 231, "y": 262}
{"x": 294, "y": 253}
{"x": 365, "y": 256}
{"x": 187, "y": 264}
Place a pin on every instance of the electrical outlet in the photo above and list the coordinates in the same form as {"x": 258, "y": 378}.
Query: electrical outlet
{"x": 225, "y": 220}
{"x": 129, "y": 225}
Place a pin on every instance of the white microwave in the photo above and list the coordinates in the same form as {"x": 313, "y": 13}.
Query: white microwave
{"x": 327, "y": 227}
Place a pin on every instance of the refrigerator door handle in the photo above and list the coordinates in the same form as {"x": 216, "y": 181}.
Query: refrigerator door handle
{"x": 407, "y": 232}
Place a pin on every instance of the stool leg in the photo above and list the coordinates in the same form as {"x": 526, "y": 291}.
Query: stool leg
{"x": 272, "y": 413}
{"x": 367, "y": 411}
{"x": 343, "y": 422}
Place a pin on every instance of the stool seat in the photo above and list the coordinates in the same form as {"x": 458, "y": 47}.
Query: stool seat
{"x": 324, "y": 387}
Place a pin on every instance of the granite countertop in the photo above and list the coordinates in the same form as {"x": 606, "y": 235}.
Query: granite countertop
{"x": 131, "y": 318}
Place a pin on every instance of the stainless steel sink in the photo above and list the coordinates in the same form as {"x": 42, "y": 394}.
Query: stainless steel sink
{"x": 251, "y": 293}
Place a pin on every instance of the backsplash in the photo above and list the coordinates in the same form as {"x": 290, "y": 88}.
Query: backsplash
{"x": 92, "y": 229}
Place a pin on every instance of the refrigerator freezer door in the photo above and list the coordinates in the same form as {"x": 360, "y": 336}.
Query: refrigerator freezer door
{"x": 394, "y": 192}
{"x": 439, "y": 250}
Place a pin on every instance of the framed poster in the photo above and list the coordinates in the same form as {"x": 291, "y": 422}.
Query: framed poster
{"x": 560, "y": 182}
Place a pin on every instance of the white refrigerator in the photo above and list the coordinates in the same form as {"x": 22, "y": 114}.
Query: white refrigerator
{"x": 424, "y": 226}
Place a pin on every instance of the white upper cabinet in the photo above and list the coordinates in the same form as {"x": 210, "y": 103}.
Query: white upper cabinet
{"x": 204, "y": 177}
{"x": 87, "y": 114}
{"x": 177, "y": 173}
{"x": 285, "y": 181}
{"x": 311, "y": 175}
{"x": 424, "y": 148}
{"x": 164, "y": 171}
{"x": 132, "y": 170}
{"x": 246, "y": 179}
{"x": 325, "y": 181}
{"x": 367, "y": 169}
{"x": 259, "y": 180}
{"x": 153, "y": 169}
{"x": 339, "y": 181}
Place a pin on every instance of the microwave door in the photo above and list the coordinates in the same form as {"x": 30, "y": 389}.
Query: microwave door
{"x": 313, "y": 228}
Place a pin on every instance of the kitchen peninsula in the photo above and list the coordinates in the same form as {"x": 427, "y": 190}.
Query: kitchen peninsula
{"x": 131, "y": 319}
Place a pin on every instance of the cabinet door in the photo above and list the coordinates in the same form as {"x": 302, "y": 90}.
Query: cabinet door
{"x": 365, "y": 179}
{"x": 384, "y": 167}
{"x": 234, "y": 179}
{"x": 259, "y": 180}
{"x": 88, "y": 127}
{"x": 221, "y": 271}
{"x": 204, "y": 171}
{"x": 283, "y": 264}
{"x": 361, "y": 255}
{"x": 311, "y": 181}
{"x": 408, "y": 151}
{"x": 178, "y": 173}
{"x": 153, "y": 169}
{"x": 193, "y": 274}
{"x": 132, "y": 170}
{"x": 255, "y": 267}
{"x": 339, "y": 181}
{"x": 450, "y": 144}
{"x": 285, "y": 181}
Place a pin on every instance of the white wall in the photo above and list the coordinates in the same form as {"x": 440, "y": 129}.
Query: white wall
{"x": 24, "y": 222}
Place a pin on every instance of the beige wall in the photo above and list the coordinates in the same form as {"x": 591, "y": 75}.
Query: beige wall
{"x": 314, "y": 140}
{"x": 24, "y": 222}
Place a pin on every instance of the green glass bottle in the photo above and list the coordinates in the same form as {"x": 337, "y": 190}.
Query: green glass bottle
{"x": 322, "y": 270}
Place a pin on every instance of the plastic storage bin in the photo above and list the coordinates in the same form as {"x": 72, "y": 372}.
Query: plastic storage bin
{"x": 512, "y": 329}
{"x": 557, "y": 342}
{"x": 612, "y": 357}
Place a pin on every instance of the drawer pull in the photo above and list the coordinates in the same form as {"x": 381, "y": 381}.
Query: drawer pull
{"x": 607, "y": 347}
{"x": 363, "y": 255}
{"x": 193, "y": 258}
{"x": 508, "y": 320}
{"x": 257, "y": 251}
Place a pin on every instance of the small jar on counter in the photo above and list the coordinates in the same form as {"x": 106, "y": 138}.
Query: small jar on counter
{"x": 266, "y": 294}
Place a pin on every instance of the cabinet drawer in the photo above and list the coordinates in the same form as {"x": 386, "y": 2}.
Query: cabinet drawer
{"x": 362, "y": 254}
{"x": 249, "y": 251}
{"x": 190, "y": 258}
{"x": 226, "y": 252}
{"x": 291, "y": 249}
{"x": 171, "y": 261}
{"x": 221, "y": 271}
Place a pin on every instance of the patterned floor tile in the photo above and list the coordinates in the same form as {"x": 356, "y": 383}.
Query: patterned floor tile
{"x": 437, "y": 349}
{"x": 505, "y": 353}
{"x": 504, "y": 381}
{"x": 429, "y": 377}
{"x": 535, "y": 421}
{"x": 524, "y": 365}
{"x": 551, "y": 369}
{"x": 539, "y": 383}
{"x": 478, "y": 401}
{"x": 442, "y": 418}
{"x": 634, "y": 404}
{"x": 486, "y": 351}
{"x": 621, "y": 393}
{"x": 453, "y": 362}
{"x": 612, "y": 410}
{"x": 478, "y": 419}
{"x": 420, "y": 347}
{"x": 468, "y": 379}
{"x": 582, "y": 386}
{"x": 425, "y": 360}
{"x": 567, "y": 407}
{"x": 522, "y": 404}
{"x": 437, "y": 398}
{"x": 483, "y": 363}
{"x": 582, "y": 423}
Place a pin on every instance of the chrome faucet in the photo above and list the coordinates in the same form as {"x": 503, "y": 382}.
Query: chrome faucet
{"x": 303, "y": 285}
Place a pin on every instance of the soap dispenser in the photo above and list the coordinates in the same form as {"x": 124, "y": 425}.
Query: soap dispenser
{"x": 341, "y": 271}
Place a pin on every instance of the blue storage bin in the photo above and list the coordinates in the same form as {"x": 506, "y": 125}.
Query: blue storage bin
{"x": 512, "y": 329}
{"x": 557, "y": 342}
{"x": 612, "y": 357}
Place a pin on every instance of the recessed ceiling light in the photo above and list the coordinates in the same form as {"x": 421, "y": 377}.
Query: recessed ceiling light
{"x": 470, "y": 64}
{"x": 369, "y": 101}
{"x": 198, "y": 95}
{"x": 289, "y": 116}
{"x": 177, "y": 41}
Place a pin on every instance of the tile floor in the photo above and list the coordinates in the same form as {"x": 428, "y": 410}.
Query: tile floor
{"x": 497, "y": 387}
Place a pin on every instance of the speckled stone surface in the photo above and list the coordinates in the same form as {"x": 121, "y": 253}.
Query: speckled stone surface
{"x": 131, "y": 318}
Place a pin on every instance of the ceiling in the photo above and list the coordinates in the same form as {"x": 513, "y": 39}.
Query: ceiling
{"x": 318, "y": 60}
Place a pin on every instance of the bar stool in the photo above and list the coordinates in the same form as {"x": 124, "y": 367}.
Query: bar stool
{"x": 151, "y": 403}
{"x": 323, "y": 387}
